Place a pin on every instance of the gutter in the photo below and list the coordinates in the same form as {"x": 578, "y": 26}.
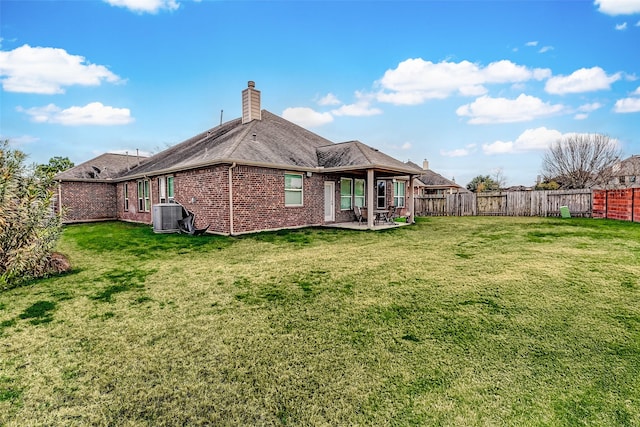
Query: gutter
{"x": 233, "y": 165}
{"x": 317, "y": 169}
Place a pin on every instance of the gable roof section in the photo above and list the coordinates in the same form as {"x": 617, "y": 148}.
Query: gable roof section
{"x": 356, "y": 155}
{"x": 105, "y": 167}
{"x": 271, "y": 142}
{"x": 628, "y": 166}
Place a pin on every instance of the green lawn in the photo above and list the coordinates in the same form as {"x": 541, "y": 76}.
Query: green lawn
{"x": 453, "y": 321}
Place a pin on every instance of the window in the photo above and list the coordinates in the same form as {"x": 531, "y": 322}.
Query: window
{"x": 165, "y": 189}
{"x": 162, "y": 190}
{"x": 293, "y": 189}
{"x": 360, "y": 192}
{"x": 621, "y": 179}
{"x": 140, "y": 196}
{"x": 126, "y": 197}
{"x": 170, "y": 189}
{"x": 144, "y": 203}
{"x": 346, "y": 194}
{"x": 398, "y": 194}
{"x": 147, "y": 201}
{"x": 382, "y": 195}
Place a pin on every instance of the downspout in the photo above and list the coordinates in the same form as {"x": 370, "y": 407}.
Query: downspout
{"x": 60, "y": 198}
{"x": 233, "y": 165}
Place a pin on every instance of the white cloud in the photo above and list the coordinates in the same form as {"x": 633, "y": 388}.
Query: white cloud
{"x": 94, "y": 113}
{"x": 621, "y": 27}
{"x": 529, "y": 140}
{"x": 359, "y": 109}
{"x": 636, "y": 92}
{"x": 362, "y": 107}
{"x": 145, "y": 6}
{"x": 627, "y": 105}
{"x": 582, "y": 80}
{"x": 638, "y": 24}
{"x": 306, "y": 117}
{"x": 581, "y": 116}
{"x": 414, "y": 81}
{"x": 20, "y": 140}
{"x": 545, "y": 49}
{"x": 531, "y": 44}
{"x": 329, "y": 99}
{"x": 459, "y": 152}
{"x": 618, "y": 7}
{"x": 486, "y": 110}
{"x": 46, "y": 70}
{"x": 587, "y": 108}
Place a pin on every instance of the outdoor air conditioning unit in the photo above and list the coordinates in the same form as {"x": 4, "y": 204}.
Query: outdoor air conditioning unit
{"x": 166, "y": 216}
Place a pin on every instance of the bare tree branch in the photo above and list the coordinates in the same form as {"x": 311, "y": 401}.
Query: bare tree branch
{"x": 581, "y": 160}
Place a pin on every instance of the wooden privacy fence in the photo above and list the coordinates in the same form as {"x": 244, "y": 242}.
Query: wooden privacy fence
{"x": 508, "y": 203}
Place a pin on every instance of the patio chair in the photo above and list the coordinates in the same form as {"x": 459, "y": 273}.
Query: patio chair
{"x": 358, "y": 213}
{"x": 392, "y": 213}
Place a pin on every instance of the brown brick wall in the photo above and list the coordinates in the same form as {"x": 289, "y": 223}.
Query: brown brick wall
{"x": 132, "y": 214}
{"x": 88, "y": 201}
{"x": 258, "y": 200}
{"x": 205, "y": 192}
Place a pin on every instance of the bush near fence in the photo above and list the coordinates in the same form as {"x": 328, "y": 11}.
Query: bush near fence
{"x": 623, "y": 204}
{"x": 509, "y": 203}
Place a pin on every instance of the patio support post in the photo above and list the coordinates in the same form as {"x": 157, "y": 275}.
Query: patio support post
{"x": 370, "y": 207}
{"x": 412, "y": 202}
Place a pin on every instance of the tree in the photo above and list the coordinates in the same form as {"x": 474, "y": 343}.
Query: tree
{"x": 29, "y": 228}
{"x": 581, "y": 160}
{"x": 55, "y": 165}
{"x": 483, "y": 183}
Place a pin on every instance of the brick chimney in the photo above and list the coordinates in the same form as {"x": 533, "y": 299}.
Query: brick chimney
{"x": 251, "y": 103}
{"x": 425, "y": 164}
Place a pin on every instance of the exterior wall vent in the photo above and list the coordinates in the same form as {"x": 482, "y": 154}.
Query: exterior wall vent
{"x": 251, "y": 103}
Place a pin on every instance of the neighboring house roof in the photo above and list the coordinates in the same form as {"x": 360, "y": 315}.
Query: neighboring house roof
{"x": 104, "y": 167}
{"x": 628, "y": 167}
{"x": 432, "y": 179}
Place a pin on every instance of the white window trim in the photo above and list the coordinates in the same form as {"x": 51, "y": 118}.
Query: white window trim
{"x": 126, "y": 196}
{"x": 397, "y": 198}
{"x": 301, "y": 190}
{"x": 144, "y": 197}
{"x": 350, "y": 195}
{"x": 162, "y": 189}
{"x": 364, "y": 195}
{"x": 171, "y": 198}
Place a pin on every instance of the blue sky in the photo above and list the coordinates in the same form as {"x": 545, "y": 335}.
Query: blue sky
{"x": 472, "y": 86}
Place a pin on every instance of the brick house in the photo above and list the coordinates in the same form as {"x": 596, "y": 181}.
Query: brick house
{"x": 626, "y": 173}
{"x": 255, "y": 173}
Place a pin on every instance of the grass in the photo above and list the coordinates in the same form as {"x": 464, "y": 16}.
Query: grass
{"x": 454, "y": 321}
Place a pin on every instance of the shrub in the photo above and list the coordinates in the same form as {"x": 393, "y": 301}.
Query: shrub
{"x": 29, "y": 227}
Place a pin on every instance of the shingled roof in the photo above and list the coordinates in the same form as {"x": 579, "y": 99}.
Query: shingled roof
{"x": 270, "y": 142}
{"x": 105, "y": 167}
{"x": 434, "y": 180}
